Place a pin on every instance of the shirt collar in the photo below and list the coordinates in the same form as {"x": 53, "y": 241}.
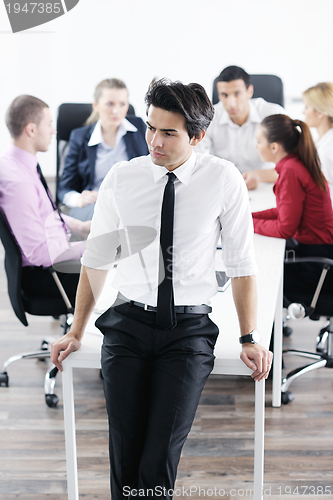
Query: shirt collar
{"x": 253, "y": 116}
{"x": 97, "y": 136}
{"x": 23, "y": 156}
{"x": 325, "y": 137}
{"x": 281, "y": 163}
{"x": 183, "y": 172}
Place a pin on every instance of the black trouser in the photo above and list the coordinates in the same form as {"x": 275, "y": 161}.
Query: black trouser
{"x": 152, "y": 382}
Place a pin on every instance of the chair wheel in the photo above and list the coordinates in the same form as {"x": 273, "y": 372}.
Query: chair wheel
{"x": 4, "y": 380}
{"x": 287, "y": 397}
{"x": 287, "y": 331}
{"x": 44, "y": 347}
{"x": 51, "y": 400}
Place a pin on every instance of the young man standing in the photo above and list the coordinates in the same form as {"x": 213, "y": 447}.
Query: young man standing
{"x": 158, "y": 339}
{"x": 232, "y": 133}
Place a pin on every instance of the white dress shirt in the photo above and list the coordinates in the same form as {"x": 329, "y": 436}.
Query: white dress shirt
{"x": 211, "y": 199}
{"x": 236, "y": 143}
{"x": 106, "y": 156}
{"x": 325, "y": 152}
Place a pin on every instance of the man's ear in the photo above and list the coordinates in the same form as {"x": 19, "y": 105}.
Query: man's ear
{"x": 250, "y": 91}
{"x": 195, "y": 140}
{"x": 30, "y": 129}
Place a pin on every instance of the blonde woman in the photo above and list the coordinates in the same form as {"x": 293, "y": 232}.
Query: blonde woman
{"x": 108, "y": 137}
{"x": 318, "y": 112}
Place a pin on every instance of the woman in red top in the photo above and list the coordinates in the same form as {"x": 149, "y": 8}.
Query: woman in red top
{"x": 303, "y": 210}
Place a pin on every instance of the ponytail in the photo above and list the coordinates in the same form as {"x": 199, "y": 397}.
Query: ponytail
{"x": 295, "y": 137}
{"x": 307, "y": 152}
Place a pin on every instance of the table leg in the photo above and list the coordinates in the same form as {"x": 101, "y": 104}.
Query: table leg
{"x": 277, "y": 365}
{"x": 70, "y": 437}
{"x": 259, "y": 427}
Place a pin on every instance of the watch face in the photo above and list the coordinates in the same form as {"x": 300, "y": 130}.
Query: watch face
{"x": 256, "y": 336}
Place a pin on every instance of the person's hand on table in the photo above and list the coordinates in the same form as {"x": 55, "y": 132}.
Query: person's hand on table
{"x": 86, "y": 198}
{"x": 84, "y": 229}
{"x": 62, "y": 347}
{"x": 258, "y": 359}
{"x": 252, "y": 180}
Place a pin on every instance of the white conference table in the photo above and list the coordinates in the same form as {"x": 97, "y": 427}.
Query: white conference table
{"x": 270, "y": 255}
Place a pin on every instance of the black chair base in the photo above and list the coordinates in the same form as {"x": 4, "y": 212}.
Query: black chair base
{"x": 323, "y": 358}
{"x": 42, "y": 354}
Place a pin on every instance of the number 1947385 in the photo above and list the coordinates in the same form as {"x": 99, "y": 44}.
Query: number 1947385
{"x": 34, "y": 7}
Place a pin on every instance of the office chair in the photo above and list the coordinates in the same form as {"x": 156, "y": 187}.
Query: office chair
{"x": 36, "y": 305}
{"x": 269, "y": 87}
{"x": 71, "y": 116}
{"x": 314, "y": 306}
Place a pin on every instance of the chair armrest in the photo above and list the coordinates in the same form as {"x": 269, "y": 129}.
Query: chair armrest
{"x": 320, "y": 260}
{"x": 68, "y": 267}
{"x": 327, "y": 263}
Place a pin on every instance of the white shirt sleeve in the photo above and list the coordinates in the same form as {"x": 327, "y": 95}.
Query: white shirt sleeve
{"x": 70, "y": 198}
{"x": 103, "y": 239}
{"x": 236, "y": 226}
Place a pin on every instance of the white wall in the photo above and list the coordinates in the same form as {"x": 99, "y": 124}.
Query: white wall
{"x": 189, "y": 40}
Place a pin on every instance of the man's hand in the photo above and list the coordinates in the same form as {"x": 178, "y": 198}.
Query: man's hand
{"x": 62, "y": 347}
{"x": 258, "y": 359}
{"x": 79, "y": 228}
{"x": 86, "y": 198}
{"x": 84, "y": 229}
{"x": 252, "y": 179}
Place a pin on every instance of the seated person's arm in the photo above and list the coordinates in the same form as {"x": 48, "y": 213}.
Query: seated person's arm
{"x": 36, "y": 238}
{"x": 270, "y": 213}
{"x": 78, "y": 227}
{"x": 288, "y": 212}
{"x": 70, "y": 189}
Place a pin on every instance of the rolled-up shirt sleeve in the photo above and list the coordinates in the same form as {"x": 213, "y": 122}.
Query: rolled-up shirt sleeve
{"x": 236, "y": 225}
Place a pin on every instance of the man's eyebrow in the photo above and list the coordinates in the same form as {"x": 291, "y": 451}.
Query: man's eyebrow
{"x": 163, "y": 129}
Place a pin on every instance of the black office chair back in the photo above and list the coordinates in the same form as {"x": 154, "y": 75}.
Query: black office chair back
{"x": 74, "y": 115}
{"x": 13, "y": 267}
{"x": 269, "y": 87}
{"x": 71, "y": 116}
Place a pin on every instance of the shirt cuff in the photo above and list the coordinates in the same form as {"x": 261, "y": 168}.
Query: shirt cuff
{"x": 70, "y": 199}
{"x": 240, "y": 269}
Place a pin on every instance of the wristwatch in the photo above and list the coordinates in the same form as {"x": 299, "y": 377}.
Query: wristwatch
{"x": 251, "y": 338}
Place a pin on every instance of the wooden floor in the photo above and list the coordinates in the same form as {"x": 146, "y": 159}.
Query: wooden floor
{"x": 219, "y": 450}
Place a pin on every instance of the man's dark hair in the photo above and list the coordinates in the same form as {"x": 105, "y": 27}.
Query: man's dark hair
{"x": 189, "y": 100}
{"x": 232, "y": 73}
{"x": 23, "y": 110}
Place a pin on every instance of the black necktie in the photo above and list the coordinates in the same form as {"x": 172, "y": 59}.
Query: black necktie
{"x": 54, "y": 206}
{"x": 166, "y": 316}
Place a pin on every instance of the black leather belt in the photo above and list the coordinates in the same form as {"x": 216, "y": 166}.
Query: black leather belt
{"x": 201, "y": 309}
